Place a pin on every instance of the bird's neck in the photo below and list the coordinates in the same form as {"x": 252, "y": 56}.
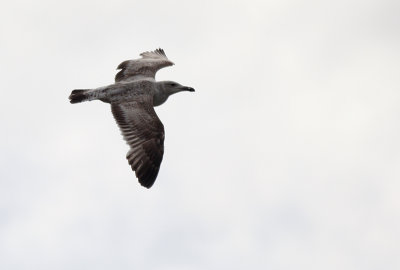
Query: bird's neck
{"x": 161, "y": 95}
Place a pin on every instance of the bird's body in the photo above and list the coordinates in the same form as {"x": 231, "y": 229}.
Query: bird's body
{"x": 132, "y": 99}
{"x": 116, "y": 93}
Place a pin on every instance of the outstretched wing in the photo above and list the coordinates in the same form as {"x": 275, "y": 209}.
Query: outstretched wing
{"x": 144, "y": 133}
{"x": 145, "y": 67}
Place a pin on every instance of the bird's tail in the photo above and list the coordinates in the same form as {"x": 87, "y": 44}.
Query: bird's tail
{"x": 79, "y": 95}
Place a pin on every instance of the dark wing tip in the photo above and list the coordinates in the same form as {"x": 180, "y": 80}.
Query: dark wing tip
{"x": 147, "y": 171}
{"x": 152, "y": 54}
{"x": 147, "y": 183}
{"x": 160, "y": 52}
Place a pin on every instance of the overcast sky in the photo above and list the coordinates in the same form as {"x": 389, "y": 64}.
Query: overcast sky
{"x": 287, "y": 156}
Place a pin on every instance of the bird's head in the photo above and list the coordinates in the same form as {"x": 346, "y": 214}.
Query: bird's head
{"x": 171, "y": 87}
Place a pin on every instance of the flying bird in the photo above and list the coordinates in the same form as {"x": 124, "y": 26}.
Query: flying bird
{"x": 133, "y": 97}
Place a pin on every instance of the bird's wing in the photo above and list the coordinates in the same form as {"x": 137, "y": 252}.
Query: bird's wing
{"x": 145, "y": 67}
{"x": 144, "y": 133}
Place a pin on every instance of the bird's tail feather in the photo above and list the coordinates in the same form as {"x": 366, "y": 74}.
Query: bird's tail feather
{"x": 78, "y": 95}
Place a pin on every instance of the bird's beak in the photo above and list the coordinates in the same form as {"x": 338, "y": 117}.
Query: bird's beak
{"x": 187, "y": 88}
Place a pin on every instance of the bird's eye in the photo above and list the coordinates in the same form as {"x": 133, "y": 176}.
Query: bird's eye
{"x": 173, "y": 84}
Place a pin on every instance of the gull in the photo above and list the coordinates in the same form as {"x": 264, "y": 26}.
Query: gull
{"x": 133, "y": 97}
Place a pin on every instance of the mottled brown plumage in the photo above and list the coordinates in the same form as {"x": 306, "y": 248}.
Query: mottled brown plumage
{"x": 145, "y": 67}
{"x": 132, "y": 98}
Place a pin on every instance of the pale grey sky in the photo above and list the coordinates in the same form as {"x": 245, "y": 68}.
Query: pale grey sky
{"x": 287, "y": 156}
